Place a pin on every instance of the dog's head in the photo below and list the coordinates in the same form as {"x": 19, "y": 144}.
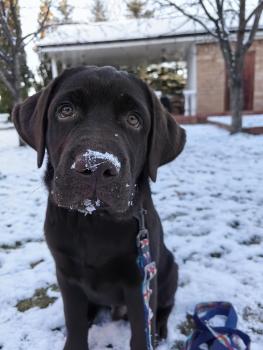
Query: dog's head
{"x": 102, "y": 129}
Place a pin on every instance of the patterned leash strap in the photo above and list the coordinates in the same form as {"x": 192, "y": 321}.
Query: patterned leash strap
{"x": 220, "y": 338}
{"x": 148, "y": 270}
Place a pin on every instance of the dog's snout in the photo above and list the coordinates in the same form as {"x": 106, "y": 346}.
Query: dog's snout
{"x": 101, "y": 169}
{"x": 109, "y": 171}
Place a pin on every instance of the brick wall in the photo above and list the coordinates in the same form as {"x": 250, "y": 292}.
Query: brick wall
{"x": 211, "y": 78}
{"x": 258, "y": 87}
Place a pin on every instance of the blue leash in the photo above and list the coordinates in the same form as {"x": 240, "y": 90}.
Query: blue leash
{"x": 218, "y": 338}
{"x": 148, "y": 270}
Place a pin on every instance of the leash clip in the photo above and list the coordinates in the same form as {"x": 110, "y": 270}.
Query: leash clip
{"x": 142, "y": 213}
{"x": 142, "y": 235}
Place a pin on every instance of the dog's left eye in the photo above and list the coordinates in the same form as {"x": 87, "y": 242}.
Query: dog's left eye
{"x": 133, "y": 121}
{"x": 66, "y": 111}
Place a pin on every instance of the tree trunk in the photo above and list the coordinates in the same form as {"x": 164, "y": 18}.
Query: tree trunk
{"x": 236, "y": 103}
{"x": 17, "y": 87}
{"x": 18, "y": 99}
{"x": 21, "y": 142}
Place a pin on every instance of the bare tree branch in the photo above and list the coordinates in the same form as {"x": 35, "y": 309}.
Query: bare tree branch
{"x": 258, "y": 8}
{"x": 254, "y": 27}
{"x": 6, "y": 58}
{"x": 221, "y": 18}
{"x": 190, "y": 16}
{"x": 35, "y": 33}
{"x": 241, "y": 28}
{"x": 4, "y": 24}
{"x": 212, "y": 4}
{"x": 208, "y": 14}
{"x": 41, "y": 25}
{"x": 15, "y": 17}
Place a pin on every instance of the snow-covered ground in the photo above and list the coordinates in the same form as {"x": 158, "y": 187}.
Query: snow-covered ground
{"x": 4, "y": 123}
{"x": 249, "y": 121}
{"x": 211, "y": 204}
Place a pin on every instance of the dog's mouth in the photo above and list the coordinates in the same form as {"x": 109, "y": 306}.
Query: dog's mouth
{"x": 87, "y": 207}
{"x": 99, "y": 202}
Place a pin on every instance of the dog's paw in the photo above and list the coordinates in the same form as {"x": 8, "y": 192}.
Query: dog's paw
{"x": 74, "y": 346}
{"x": 161, "y": 332}
{"x": 119, "y": 313}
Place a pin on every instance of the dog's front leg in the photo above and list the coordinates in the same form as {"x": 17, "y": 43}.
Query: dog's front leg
{"x": 76, "y": 314}
{"x": 135, "y": 307}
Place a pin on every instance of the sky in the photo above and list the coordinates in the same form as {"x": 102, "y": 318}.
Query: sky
{"x": 116, "y": 9}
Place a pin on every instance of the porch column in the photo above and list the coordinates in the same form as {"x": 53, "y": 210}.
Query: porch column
{"x": 190, "y": 91}
{"x": 54, "y": 68}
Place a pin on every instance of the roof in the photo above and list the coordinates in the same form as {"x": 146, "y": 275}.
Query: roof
{"x": 129, "y": 29}
{"x": 119, "y": 31}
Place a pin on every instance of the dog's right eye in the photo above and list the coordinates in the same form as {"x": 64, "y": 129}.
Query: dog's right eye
{"x": 66, "y": 111}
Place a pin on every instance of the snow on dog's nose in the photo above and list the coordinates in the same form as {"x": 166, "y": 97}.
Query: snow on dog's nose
{"x": 100, "y": 166}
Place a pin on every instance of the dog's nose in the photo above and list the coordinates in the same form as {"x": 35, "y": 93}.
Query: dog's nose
{"x": 98, "y": 168}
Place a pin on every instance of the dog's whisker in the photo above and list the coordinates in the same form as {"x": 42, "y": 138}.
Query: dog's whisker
{"x": 36, "y": 189}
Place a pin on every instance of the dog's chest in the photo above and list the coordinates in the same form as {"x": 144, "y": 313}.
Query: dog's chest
{"x": 100, "y": 259}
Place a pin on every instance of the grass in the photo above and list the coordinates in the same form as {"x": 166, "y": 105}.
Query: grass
{"x": 187, "y": 326}
{"x": 39, "y": 299}
{"x": 15, "y": 245}
{"x": 178, "y": 345}
{"x": 18, "y": 244}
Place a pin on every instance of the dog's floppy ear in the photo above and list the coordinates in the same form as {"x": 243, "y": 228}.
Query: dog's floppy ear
{"x": 167, "y": 138}
{"x": 30, "y": 119}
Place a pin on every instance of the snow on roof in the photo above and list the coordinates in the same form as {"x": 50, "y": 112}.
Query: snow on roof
{"x": 132, "y": 29}
{"x": 123, "y": 30}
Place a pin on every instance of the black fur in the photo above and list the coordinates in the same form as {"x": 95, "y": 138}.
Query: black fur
{"x": 96, "y": 254}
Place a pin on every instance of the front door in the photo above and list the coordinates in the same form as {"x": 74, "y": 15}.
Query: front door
{"x": 248, "y": 83}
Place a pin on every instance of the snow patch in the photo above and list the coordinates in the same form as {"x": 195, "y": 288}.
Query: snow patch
{"x": 90, "y": 206}
{"x": 248, "y": 120}
{"x": 92, "y": 157}
{"x": 210, "y": 204}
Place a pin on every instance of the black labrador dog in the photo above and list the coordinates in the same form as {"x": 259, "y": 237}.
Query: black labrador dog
{"x": 105, "y": 133}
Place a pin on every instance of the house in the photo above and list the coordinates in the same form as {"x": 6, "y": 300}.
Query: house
{"x": 146, "y": 41}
